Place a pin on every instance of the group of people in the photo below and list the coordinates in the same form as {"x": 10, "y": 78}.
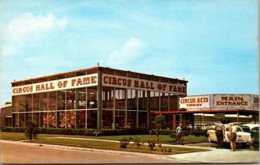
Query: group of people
{"x": 220, "y": 133}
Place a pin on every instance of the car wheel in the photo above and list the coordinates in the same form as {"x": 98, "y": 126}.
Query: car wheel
{"x": 209, "y": 140}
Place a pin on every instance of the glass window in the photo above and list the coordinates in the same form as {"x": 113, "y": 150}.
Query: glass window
{"x": 82, "y": 119}
{"x": 36, "y": 102}
{"x": 22, "y": 103}
{"x": 142, "y": 119}
{"x": 92, "y": 119}
{"x": 131, "y": 99}
{"x": 62, "y": 121}
{"x": 154, "y": 101}
{"x": 61, "y": 100}
{"x": 107, "y": 98}
{"x": 52, "y": 100}
{"x": 119, "y": 119}
{"x": 120, "y": 96}
{"x": 70, "y": 119}
{"x": 107, "y": 118}
{"x": 70, "y": 101}
{"x": 15, "y": 102}
{"x": 81, "y": 98}
{"x": 92, "y": 97}
{"x": 43, "y": 101}
{"x": 28, "y": 103}
{"x": 143, "y": 100}
{"x": 164, "y": 101}
{"x": 131, "y": 119}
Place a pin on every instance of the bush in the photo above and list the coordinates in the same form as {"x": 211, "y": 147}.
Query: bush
{"x": 30, "y": 130}
{"x": 151, "y": 144}
{"x": 77, "y": 131}
{"x": 124, "y": 142}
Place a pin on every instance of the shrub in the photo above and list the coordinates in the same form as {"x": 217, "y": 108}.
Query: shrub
{"x": 151, "y": 144}
{"x": 124, "y": 142}
{"x": 30, "y": 130}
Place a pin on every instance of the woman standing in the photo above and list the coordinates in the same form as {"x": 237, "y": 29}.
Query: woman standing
{"x": 233, "y": 136}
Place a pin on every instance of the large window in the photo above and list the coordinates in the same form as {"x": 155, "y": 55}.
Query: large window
{"x": 107, "y": 98}
{"x": 70, "y": 101}
{"x": 120, "y": 98}
{"x": 120, "y": 119}
{"x": 52, "y": 100}
{"x": 43, "y": 97}
{"x": 81, "y": 98}
{"x": 92, "y": 97}
{"x": 164, "y": 101}
{"x": 107, "y": 120}
{"x": 61, "y": 100}
{"x": 131, "y": 99}
{"x": 154, "y": 101}
{"x": 143, "y": 100}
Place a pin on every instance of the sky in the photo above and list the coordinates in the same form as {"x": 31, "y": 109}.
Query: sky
{"x": 212, "y": 44}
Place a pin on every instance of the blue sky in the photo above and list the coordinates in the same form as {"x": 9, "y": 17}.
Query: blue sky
{"x": 212, "y": 44}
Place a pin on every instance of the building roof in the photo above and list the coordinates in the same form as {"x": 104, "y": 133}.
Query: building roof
{"x": 90, "y": 71}
{"x": 5, "y": 106}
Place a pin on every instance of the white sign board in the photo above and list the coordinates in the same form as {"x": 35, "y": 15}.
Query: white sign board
{"x": 232, "y": 101}
{"x": 133, "y": 83}
{"x": 194, "y": 102}
{"x": 61, "y": 84}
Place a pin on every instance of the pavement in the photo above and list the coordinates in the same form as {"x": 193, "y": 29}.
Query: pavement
{"x": 214, "y": 155}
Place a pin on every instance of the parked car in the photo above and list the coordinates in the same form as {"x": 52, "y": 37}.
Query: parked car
{"x": 242, "y": 136}
{"x": 250, "y": 127}
{"x": 254, "y": 130}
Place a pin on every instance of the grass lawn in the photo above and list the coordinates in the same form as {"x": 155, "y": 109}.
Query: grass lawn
{"x": 46, "y": 139}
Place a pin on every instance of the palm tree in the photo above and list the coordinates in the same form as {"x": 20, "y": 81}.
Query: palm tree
{"x": 31, "y": 130}
{"x": 160, "y": 121}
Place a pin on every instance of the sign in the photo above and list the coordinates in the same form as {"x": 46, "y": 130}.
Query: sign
{"x": 195, "y": 102}
{"x": 133, "y": 83}
{"x": 232, "y": 101}
{"x": 67, "y": 83}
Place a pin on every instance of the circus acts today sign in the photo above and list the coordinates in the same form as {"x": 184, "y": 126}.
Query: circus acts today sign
{"x": 195, "y": 102}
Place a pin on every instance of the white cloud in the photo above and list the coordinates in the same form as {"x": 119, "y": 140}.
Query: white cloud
{"x": 25, "y": 26}
{"x": 130, "y": 51}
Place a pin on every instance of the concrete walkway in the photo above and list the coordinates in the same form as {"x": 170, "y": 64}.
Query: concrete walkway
{"x": 212, "y": 156}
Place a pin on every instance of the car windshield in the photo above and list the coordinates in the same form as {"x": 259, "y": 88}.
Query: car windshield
{"x": 246, "y": 128}
{"x": 255, "y": 129}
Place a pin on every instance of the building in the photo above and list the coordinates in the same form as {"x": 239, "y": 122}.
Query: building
{"x": 210, "y": 108}
{"x": 97, "y": 98}
{"x": 6, "y": 115}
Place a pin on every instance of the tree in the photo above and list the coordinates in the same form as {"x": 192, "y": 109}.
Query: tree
{"x": 160, "y": 121}
{"x": 31, "y": 130}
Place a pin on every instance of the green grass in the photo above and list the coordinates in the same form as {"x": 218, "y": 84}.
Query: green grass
{"x": 114, "y": 146}
{"x": 50, "y": 139}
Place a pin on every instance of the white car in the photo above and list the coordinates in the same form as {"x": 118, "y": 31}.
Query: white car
{"x": 250, "y": 127}
{"x": 242, "y": 137}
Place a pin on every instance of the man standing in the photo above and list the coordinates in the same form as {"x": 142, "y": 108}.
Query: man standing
{"x": 179, "y": 134}
{"x": 220, "y": 132}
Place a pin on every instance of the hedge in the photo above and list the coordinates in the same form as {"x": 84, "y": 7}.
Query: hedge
{"x": 76, "y": 131}
{"x": 102, "y": 132}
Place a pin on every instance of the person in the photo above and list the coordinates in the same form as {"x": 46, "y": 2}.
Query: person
{"x": 220, "y": 132}
{"x": 179, "y": 134}
{"x": 233, "y": 137}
